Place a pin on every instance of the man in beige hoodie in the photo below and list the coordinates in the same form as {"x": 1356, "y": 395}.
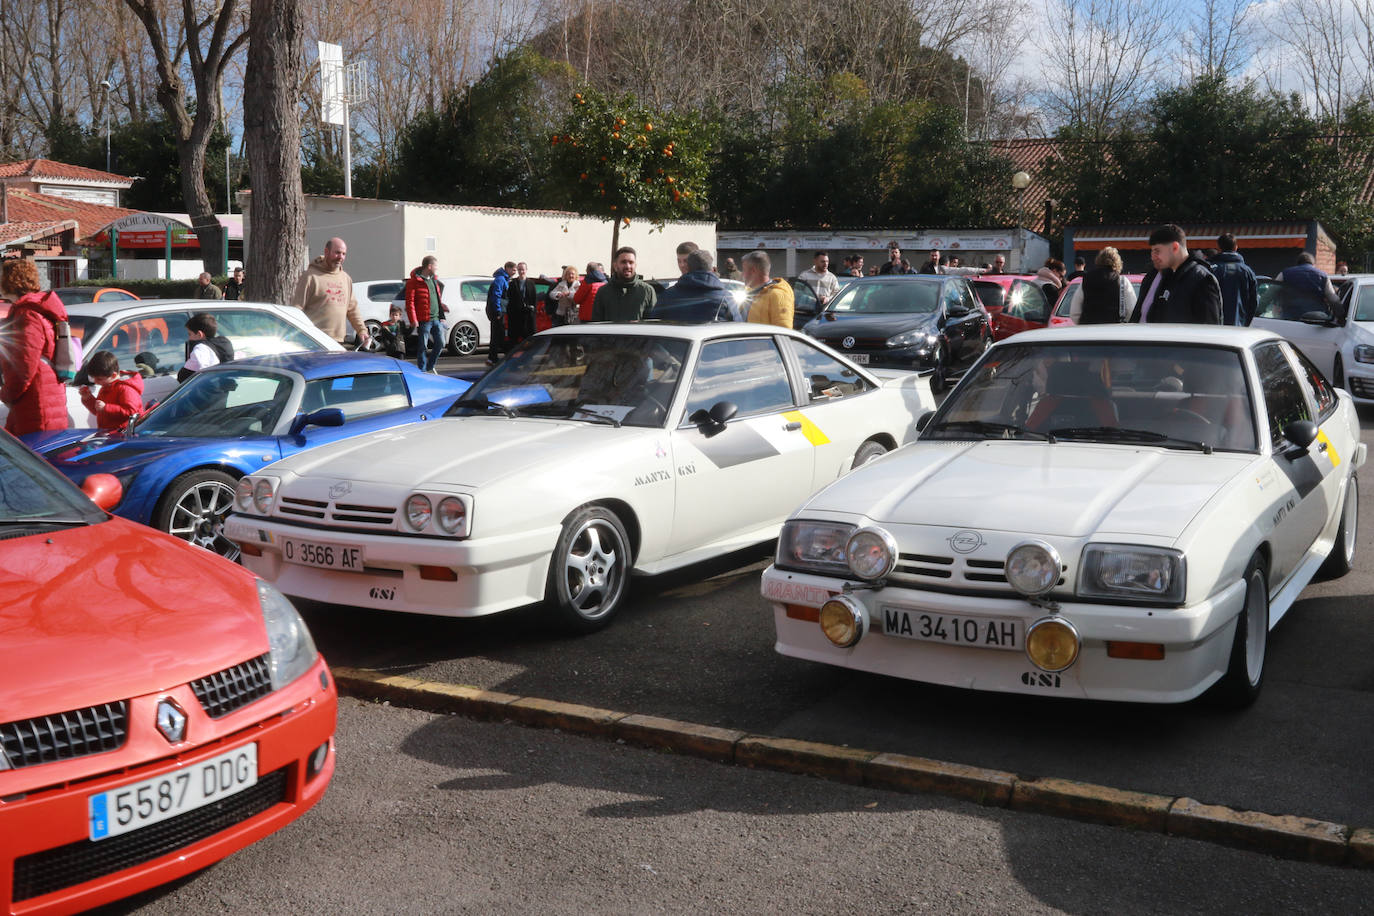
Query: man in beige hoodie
{"x": 325, "y": 293}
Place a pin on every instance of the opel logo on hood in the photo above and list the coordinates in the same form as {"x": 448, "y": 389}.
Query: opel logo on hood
{"x": 848, "y": 342}
{"x": 171, "y": 721}
{"x": 342, "y": 488}
{"x": 965, "y": 541}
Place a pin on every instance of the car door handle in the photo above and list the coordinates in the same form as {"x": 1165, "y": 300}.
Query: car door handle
{"x": 1321, "y": 446}
{"x": 793, "y": 426}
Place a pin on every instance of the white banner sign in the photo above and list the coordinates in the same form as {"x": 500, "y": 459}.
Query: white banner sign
{"x": 332, "y": 90}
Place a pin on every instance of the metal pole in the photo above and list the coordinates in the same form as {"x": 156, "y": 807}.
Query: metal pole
{"x": 114, "y": 252}
{"x": 348, "y": 152}
{"x": 167, "y": 236}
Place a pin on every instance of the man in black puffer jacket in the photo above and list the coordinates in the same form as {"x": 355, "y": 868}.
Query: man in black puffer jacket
{"x": 1180, "y": 288}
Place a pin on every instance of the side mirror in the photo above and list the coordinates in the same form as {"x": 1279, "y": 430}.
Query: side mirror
{"x": 1318, "y": 317}
{"x": 1301, "y": 434}
{"x": 957, "y": 311}
{"x": 713, "y": 421}
{"x": 325, "y": 416}
{"x": 105, "y": 490}
{"x": 924, "y": 420}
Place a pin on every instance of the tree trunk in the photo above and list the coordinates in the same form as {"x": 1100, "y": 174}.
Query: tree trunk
{"x": 272, "y": 138}
{"x": 615, "y": 241}
{"x": 203, "y": 220}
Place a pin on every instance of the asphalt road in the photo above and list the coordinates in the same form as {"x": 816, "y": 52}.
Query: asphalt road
{"x": 697, "y": 645}
{"x": 434, "y": 814}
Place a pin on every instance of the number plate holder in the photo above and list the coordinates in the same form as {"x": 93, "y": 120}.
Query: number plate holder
{"x": 859, "y": 358}
{"x": 972, "y": 630}
{"x": 167, "y": 795}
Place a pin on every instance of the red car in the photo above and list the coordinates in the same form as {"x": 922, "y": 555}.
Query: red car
{"x": 160, "y": 707}
{"x": 1014, "y": 302}
{"x": 1062, "y": 315}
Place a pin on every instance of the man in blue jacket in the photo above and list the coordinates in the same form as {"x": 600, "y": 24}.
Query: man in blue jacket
{"x": 1239, "y": 291}
{"x": 496, "y": 311}
{"x": 698, "y": 296}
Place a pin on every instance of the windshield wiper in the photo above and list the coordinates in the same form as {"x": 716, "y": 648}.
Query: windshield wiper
{"x": 31, "y": 522}
{"x": 991, "y": 427}
{"x": 597, "y": 417}
{"x": 1124, "y": 434}
{"x": 482, "y": 402}
{"x": 564, "y": 410}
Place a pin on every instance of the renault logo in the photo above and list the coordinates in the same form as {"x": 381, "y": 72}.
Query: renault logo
{"x": 171, "y": 721}
{"x": 342, "y": 488}
{"x": 847, "y": 343}
{"x": 965, "y": 541}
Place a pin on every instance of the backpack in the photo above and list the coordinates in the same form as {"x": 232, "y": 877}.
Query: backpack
{"x": 66, "y": 352}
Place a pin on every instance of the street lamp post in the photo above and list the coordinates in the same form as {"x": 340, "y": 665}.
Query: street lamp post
{"x": 1020, "y": 181}
{"x": 105, "y": 88}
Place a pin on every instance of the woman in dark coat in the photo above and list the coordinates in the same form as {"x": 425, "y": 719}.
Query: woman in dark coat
{"x": 30, "y": 387}
{"x": 1105, "y": 296}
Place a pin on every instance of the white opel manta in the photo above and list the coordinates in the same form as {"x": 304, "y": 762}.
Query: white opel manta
{"x": 1119, "y": 513}
{"x": 591, "y": 452}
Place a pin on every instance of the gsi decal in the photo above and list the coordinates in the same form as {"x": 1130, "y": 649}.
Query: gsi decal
{"x": 381, "y": 594}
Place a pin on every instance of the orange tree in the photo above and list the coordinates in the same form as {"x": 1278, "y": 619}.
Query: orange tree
{"x": 621, "y": 160}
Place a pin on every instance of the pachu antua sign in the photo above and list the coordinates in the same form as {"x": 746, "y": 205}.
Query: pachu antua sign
{"x": 148, "y": 230}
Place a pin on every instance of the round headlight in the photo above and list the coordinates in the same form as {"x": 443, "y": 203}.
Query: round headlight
{"x": 842, "y": 621}
{"x": 243, "y": 493}
{"x": 871, "y": 553}
{"x": 1033, "y": 568}
{"x": 418, "y": 511}
{"x": 262, "y": 496}
{"x": 452, "y": 514}
{"x": 1052, "y": 644}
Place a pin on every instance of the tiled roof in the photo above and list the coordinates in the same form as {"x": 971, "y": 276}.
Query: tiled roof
{"x": 27, "y": 206}
{"x": 47, "y": 168}
{"x": 1030, "y": 155}
{"x": 14, "y": 233}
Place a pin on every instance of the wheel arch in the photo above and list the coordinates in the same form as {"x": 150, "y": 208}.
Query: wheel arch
{"x": 884, "y": 439}
{"x": 231, "y": 470}
{"x": 623, "y": 511}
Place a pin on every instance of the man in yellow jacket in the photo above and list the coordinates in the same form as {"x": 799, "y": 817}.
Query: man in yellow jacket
{"x": 770, "y": 300}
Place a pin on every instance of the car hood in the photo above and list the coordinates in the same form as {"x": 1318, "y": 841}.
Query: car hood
{"x": 114, "y": 453}
{"x": 868, "y": 325}
{"x": 107, "y": 612}
{"x": 1062, "y": 489}
{"x": 466, "y": 452}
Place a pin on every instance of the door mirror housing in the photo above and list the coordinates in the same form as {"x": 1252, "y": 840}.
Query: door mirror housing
{"x": 1301, "y": 434}
{"x": 325, "y": 416}
{"x": 713, "y": 421}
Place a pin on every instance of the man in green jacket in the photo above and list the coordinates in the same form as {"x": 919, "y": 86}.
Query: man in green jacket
{"x": 626, "y": 297}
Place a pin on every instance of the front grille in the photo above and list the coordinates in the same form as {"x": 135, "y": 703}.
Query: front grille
{"x": 860, "y": 343}
{"x": 347, "y": 513}
{"x": 64, "y": 735}
{"x": 367, "y": 515}
{"x": 306, "y": 508}
{"x": 950, "y": 573}
{"x": 67, "y": 866}
{"x": 1360, "y": 387}
{"x": 225, "y": 691}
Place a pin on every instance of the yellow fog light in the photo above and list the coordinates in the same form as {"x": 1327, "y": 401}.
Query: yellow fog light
{"x": 1052, "y": 644}
{"x": 843, "y": 621}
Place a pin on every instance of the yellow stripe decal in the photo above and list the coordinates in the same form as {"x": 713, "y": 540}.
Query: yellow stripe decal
{"x": 810, "y": 430}
{"x": 1330, "y": 449}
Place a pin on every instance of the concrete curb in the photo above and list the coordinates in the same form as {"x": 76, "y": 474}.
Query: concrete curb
{"x": 1284, "y": 836}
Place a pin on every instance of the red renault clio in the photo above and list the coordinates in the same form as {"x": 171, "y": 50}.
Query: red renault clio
{"x": 160, "y": 707}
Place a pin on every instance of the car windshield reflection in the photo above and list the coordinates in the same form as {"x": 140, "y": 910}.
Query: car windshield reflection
{"x": 887, "y": 298}
{"x": 31, "y": 491}
{"x": 220, "y": 405}
{"x": 596, "y": 378}
{"x": 1176, "y": 396}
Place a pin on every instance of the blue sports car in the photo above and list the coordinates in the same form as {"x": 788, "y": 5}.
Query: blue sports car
{"x": 180, "y": 462}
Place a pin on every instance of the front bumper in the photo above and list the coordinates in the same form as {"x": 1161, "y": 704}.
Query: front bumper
{"x": 484, "y": 575}
{"x": 1196, "y": 639}
{"x": 49, "y": 864}
{"x": 916, "y": 358}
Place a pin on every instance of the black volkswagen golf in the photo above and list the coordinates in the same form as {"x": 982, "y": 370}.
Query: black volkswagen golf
{"x": 916, "y": 321}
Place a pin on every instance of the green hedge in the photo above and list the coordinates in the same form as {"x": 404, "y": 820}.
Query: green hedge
{"x": 153, "y": 288}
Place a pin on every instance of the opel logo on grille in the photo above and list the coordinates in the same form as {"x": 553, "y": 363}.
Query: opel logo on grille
{"x": 847, "y": 343}
{"x": 342, "y": 488}
{"x": 171, "y": 721}
{"x": 965, "y": 541}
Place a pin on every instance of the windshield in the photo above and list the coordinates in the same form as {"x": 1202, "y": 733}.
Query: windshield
{"x": 31, "y": 491}
{"x": 221, "y": 405}
{"x": 1172, "y": 395}
{"x": 615, "y": 378}
{"x": 887, "y": 297}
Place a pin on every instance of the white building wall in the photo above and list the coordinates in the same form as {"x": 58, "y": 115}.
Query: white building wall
{"x": 373, "y": 230}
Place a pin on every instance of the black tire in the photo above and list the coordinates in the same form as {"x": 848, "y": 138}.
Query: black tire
{"x": 938, "y": 383}
{"x": 464, "y": 339}
{"x": 1244, "y": 676}
{"x": 193, "y": 508}
{"x": 868, "y": 452}
{"x": 1338, "y": 373}
{"x": 1342, "y": 557}
{"x": 373, "y": 344}
{"x": 589, "y": 571}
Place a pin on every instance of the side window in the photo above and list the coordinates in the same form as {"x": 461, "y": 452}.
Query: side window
{"x": 1030, "y": 301}
{"x": 992, "y": 294}
{"x": 1364, "y": 302}
{"x": 952, "y": 300}
{"x": 475, "y": 290}
{"x": 804, "y": 297}
{"x": 748, "y": 372}
{"x": 826, "y": 378}
{"x": 1323, "y": 395}
{"x": 1288, "y": 303}
{"x": 384, "y": 292}
{"x": 256, "y": 333}
{"x": 1283, "y": 396}
{"x": 156, "y": 341}
{"x": 357, "y": 395}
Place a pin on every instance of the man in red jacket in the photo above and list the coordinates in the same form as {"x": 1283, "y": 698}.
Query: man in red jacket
{"x": 425, "y": 311}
